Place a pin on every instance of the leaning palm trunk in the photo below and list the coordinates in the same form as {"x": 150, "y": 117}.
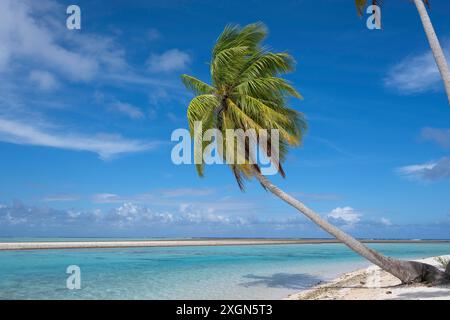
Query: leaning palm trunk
{"x": 435, "y": 46}
{"x": 406, "y": 271}
{"x": 247, "y": 87}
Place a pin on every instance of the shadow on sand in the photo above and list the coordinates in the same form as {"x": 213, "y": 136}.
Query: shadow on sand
{"x": 442, "y": 293}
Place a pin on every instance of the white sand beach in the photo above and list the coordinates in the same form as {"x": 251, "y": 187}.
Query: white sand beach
{"x": 373, "y": 283}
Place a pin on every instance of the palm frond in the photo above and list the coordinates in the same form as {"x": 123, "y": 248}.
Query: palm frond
{"x": 226, "y": 65}
{"x": 196, "y": 86}
{"x": 199, "y": 107}
{"x": 246, "y": 93}
{"x": 268, "y": 88}
{"x": 208, "y": 122}
{"x": 361, "y": 5}
{"x": 268, "y": 64}
{"x": 234, "y": 36}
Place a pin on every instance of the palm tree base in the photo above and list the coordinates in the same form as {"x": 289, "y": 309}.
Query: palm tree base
{"x": 417, "y": 272}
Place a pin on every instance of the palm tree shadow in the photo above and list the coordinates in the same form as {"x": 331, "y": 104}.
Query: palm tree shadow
{"x": 346, "y": 286}
{"x": 297, "y": 281}
{"x": 425, "y": 294}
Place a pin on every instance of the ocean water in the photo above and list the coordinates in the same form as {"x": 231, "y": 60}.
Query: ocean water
{"x": 228, "y": 272}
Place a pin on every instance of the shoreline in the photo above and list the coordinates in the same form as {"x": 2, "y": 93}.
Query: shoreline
{"x": 372, "y": 283}
{"x": 38, "y": 245}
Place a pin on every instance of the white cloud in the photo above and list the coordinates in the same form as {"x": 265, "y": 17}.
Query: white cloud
{"x": 412, "y": 169}
{"x": 127, "y": 214}
{"x": 346, "y": 215}
{"x": 60, "y": 198}
{"x": 386, "y": 221}
{"x": 32, "y": 33}
{"x": 106, "y": 198}
{"x": 430, "y": 171}
{"x": 115, "y": 198}
{"x": 13, "y": 220}
{"x": 415, "y": 74}
{"x": 159, "y": 197}
{"x": 440, "y": 136}
{"x": 127, "y": 109}
{"x": 109, "y": 198}
{"x": 37, "y": 51}
{"x": 73, "y": 214}
{"x": 43, "y": 79}
{"x": 105, "y": 145}
{"x": 23, "y": 37}
{"x": 171, "y": 60}
{"x": 204, "y": 218}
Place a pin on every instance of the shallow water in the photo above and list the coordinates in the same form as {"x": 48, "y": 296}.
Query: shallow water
{"x": 228, "y": 272}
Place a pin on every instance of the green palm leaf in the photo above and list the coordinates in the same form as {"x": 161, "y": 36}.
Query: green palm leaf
{"x": 247, "y": 93}
{"x": 196, "y": 86}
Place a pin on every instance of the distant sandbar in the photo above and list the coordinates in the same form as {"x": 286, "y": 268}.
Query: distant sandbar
{"x": 179, "y": 243}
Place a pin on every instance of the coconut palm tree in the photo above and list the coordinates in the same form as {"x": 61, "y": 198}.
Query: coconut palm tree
{"x": 438, "y": 54}
{"x": 247, "y": 92}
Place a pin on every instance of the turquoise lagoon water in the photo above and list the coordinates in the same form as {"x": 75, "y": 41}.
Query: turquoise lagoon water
{"x": 228, "y": 272}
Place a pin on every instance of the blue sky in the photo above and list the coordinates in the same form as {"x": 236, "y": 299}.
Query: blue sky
{"x": 86, "y": 118}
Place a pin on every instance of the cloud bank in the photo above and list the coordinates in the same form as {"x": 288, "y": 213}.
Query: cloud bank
{"x": 132, "y": 220}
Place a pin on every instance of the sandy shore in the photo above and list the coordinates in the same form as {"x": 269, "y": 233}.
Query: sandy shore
{"x": 176, "y": 243}
{"x": 373, "y": 284}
